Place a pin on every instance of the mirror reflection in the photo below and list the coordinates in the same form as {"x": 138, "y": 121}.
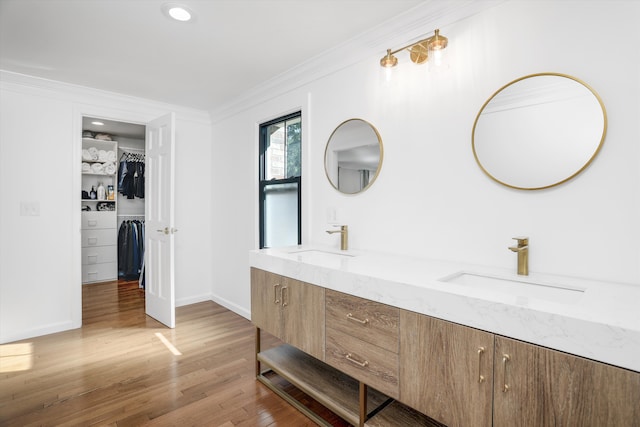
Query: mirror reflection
{"x": 353, "y": 156}
{"x": 539, "y": 131}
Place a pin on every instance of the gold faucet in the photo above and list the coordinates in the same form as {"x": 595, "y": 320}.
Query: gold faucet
{"x": 344, "y": 236}
{"x": 523, "y": 255}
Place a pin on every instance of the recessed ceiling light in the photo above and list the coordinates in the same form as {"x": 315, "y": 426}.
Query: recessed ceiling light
{"x": 97, "y": 123}
{"x": 177, "y": 12}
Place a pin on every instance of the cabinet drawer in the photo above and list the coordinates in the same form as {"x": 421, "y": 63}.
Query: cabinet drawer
{"x": 99, "y": 254}
{"x": 105, "y": 237}
{"x": 91, "y": 220}
{"x": 99, "y": 272}
{"x": 366, "y": 362}
{"x": 369, "y": 321}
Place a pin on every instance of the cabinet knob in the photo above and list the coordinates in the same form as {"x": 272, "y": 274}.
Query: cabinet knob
{"x": 355, "y": 319}
{"x": 276, "y": 300}
{"x": 505, "y": 359}
{"x": 480, "y": 376}
{"x": 350, "y": 358}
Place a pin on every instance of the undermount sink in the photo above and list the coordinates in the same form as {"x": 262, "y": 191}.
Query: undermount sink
{"x": 519, "y": 287}
{"x": 319, "y": 252}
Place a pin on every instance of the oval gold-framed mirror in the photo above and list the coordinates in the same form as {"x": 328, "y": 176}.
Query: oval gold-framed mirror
{"x": 539, "y": 131}
{"x": 353, "y": 156}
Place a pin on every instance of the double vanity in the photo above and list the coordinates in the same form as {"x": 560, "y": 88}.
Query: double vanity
{"x": 392, "y": 340}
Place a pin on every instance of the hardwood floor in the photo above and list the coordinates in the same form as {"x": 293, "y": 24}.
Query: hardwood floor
{"x": 117, "y": 370}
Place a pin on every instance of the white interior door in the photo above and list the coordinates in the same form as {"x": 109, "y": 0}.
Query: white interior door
{"x": 159, "y": 229}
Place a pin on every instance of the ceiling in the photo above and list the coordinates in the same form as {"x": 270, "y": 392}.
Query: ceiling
{"x": 131, "y": 47}
{"x": 119, "y": 129}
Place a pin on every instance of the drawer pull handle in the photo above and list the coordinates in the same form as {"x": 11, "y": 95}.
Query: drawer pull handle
{"x": 276, "y": 300}
{"x": 93, "y": 223}
{"x": 283, "y": 295}
{"x": 505, "y": 359}
{"x": 355, "y": 319}
{"x": 350, "y": 358}
{"x": 480, "y": 376}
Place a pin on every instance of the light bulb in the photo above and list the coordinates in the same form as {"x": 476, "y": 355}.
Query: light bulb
{"x": 179, "y": 14}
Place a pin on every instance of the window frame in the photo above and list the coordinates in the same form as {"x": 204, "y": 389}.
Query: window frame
{"x": 263, "y": 184}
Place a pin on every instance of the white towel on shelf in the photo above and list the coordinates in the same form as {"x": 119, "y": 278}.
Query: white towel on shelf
{"x": 109, "y": 168}
{"x": 93, "y": 151}
{"x": 86, "y": 167}
{"x": 97, "y": 168}
{"x": 102, "y": 155}
{"x": 111, "y": 156}
{"x": 86, "y": 155}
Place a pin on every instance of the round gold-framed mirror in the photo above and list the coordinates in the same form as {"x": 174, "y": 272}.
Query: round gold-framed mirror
{"x": 353, "y": 156}
{"x": 539, "y": 131}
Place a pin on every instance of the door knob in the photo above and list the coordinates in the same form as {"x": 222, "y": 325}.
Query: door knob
{"x": 168, "y": 230}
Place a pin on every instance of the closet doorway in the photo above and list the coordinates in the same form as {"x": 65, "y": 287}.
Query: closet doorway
{"x": 153, "y": 182}
{"x": 113, "y": 205}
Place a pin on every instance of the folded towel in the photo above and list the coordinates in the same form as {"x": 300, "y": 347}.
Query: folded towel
{"x": 86, "y": 167}
{"x": 97, "y": 168}
{"x": 110, "y": 168}
{"x": 111, "y": 156}
{"x": 102, "y": 155}
{"x": 86, "y": 155}
{"x": 93, "y": 151}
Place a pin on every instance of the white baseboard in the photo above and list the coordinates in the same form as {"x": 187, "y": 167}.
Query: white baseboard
{"x": 37, "y": 332}
{"x": 242, "y": 311}
{"x": 193, "y": 300}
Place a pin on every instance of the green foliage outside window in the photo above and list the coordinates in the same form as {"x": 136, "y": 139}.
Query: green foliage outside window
{"x": 294, "y": 136}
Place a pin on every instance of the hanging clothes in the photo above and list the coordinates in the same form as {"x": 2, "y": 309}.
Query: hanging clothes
{"x": 138, "y": 180}
{"x": 130, "y": 249}
{"x": 131, "y": 175}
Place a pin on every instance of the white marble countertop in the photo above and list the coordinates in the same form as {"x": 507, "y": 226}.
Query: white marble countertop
{"x": 599, "y": 320}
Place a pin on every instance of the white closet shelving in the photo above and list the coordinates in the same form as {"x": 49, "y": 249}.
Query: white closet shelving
{"x": 99, "y": 233}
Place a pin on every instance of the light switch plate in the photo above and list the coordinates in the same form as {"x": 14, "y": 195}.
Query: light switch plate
{"x": 29, "y": 208}
{"x": 331, "y": 215}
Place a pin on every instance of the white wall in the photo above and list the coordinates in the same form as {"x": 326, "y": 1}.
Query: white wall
{"x": 235, "y": 193}
{"x": 40, "y": 122}
{"x": 431, "y": 199}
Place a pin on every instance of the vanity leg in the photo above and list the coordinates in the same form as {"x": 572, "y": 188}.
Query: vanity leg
{"x": 363, "y": 404}
{"x": 257, "y": 351}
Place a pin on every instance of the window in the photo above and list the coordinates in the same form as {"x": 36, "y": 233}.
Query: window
{"x": 280, "y": 171}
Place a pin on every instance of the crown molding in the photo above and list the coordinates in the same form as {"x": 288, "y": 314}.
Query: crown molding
{"x": 74, "y": 93}
{"x": 413, "y": 24}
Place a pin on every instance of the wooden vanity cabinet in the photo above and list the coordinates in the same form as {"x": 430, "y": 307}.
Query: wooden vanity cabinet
{"x": 289, "y": 309}
{"x": 535, "y": 386}
{"x": 362, "y": 340}
{"x": 457, "y": 375}
{"x": 446, "y": 370}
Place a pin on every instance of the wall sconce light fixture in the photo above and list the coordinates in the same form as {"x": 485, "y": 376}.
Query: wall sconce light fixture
{"x": 419, "y": 51}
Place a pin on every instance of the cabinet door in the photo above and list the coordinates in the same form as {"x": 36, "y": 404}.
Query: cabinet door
{"x": 551, "y": 388}
{"x": 303, "y": 316}
{"x": 441, "y": 364}
{"x": 266, "y": 311}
